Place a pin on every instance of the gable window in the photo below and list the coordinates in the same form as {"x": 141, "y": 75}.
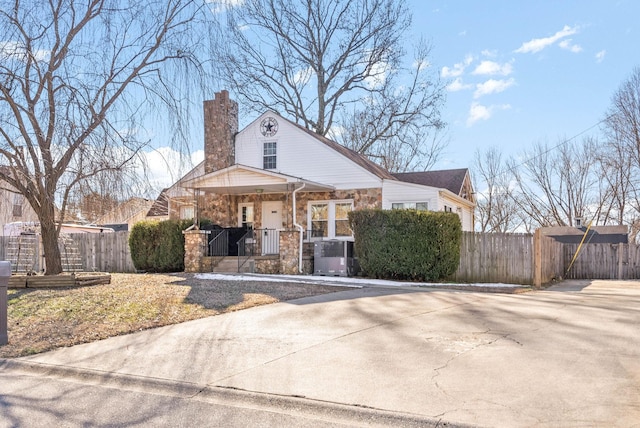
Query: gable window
{"x": 329, "y": 219}
{"x": 269, "y": 155}
{"x": 245, "y": 216}
{"x": 420, "y": 206}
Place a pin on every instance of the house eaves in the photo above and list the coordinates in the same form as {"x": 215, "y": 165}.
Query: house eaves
{"x": 242, "y": 179}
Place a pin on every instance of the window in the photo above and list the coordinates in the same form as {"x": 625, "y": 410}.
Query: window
{"x": 245, "y": 216}
{"x": 342, "y": 219}
{"x": 319, "y": 220}
{"x": 420, "y": 206}
{"x": 18, "y": 200}
{"x": 330, "y": 219}
{"x": 269, "y": 155}
{"x": 187, "y": 212}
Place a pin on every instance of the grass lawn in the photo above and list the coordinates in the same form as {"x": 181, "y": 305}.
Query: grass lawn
{"x": 40, "y": 320}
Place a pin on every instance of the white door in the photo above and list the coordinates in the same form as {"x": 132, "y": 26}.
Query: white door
{"x": 271, "y": 225}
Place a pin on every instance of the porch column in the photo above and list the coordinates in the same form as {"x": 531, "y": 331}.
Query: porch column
{"x": 196, "y": 244}
{"x": 289, "y": 251}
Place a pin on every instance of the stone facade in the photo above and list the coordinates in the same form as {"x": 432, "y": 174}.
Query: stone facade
{"x": 289, "y": 251}
{"x": 195, "y": 250}
{"x": 220, "y": 127}
{"x": 267, "y": 264}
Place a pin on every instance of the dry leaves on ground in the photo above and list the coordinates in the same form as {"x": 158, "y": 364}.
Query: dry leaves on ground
{"x": 40, "y": 320}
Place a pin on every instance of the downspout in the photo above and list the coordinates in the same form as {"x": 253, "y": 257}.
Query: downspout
{"x": 295, "y": 224}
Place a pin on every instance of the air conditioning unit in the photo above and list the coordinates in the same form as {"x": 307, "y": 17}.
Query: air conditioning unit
{"x": 334, "y": 258}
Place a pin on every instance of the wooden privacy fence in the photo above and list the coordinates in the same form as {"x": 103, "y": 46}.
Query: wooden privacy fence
{"x": 603, "y": 261}
{"x": 105, "y": 252}
{"x": 99, "y": 252}
{"x": 509, "y": 258}
{"x": 484, "y": 257}
{"x": 495, "y": 257}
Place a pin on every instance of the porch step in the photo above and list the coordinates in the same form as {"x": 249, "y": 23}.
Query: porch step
{"x": 229, "y": 264}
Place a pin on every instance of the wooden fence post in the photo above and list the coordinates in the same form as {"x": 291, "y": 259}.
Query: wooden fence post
{"x": 537, "y": 259}
{"x": 620, "y": 261}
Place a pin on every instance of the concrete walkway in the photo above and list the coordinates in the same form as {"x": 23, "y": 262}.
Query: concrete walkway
{"x": 567, "y": 356}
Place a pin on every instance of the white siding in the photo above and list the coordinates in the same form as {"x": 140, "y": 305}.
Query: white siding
{"x": 301, "y": 155}
{"x": 466, "y": 213}
{"x": 398, "y": 191}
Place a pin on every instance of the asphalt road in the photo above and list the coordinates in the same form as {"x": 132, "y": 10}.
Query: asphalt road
{"x": 567, "y": 356}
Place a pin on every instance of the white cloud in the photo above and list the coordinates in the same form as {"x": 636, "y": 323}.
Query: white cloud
{"x": 493, "y": 68}
{"x": 219, "y": 6}
{"x": 489, "y": 53}
{"x": 164, "y": 166}
{"x": 378, "y": 75}
{"x": 567, "y": 45}
{"x": 600, "y": 55}
{"x": 17, "y": 50}
{"x": 301, "y": 77}
{"x": 478, "y": 112}
{"x": 457, "y": 69}
{"x": 492, "y": 86}
{"x": 458, "y": 85}
{"x": 536, "y": 45}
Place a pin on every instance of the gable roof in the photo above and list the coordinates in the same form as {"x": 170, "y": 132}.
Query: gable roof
{"x": 359, "y": 159}
{"x": 242, "y": 179}
{"x": 160, "y": 206}
{"x": 450, "y": 179}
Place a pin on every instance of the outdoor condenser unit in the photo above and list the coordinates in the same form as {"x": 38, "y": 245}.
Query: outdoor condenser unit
{"x": 333, "y": 258}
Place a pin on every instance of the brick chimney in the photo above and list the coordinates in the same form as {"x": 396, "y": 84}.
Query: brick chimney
{"x": 220, "y": 127}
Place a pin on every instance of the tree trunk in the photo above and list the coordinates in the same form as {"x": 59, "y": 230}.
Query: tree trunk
{"x": 50, "y": 246}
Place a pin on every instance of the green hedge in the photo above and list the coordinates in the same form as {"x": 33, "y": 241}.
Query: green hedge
{"x": 407, "y": 244}
{"x": 158, "y": 246}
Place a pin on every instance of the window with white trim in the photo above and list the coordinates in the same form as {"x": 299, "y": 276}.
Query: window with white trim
{"x": 329, "y": 219}
{"x": 187, "y": 212}
{"x": 245, "y": 216}
{"x": 420, "y": 206}
{"x": 269, "y": 155}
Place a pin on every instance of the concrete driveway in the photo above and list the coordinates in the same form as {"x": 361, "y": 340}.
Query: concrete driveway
{"x": 566, "y": 356}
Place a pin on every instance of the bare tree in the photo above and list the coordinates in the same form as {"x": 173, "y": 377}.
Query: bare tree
{"x": 335, "y": 66}
{"x": 76, "y": 79}
{"x": 496, "y": 209}
{"x": 558, "y": 184}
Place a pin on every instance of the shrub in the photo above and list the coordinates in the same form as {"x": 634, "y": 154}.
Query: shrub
{"x": 158, "y": 246}
{"x": 407, "y": 244}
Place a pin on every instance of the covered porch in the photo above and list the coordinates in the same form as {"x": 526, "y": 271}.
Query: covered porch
{"x": 258, "y": 221}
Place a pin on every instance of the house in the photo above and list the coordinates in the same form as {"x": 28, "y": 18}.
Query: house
{"x": 127, "y": 213}
{"x": 592, "y": 235}
{"x": 292, "y": 187}
{"x": 13, "y": 205}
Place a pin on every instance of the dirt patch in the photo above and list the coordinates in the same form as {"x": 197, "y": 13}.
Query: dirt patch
{"x": 40, "y": 320}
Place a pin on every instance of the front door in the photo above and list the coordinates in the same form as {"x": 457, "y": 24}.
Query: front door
{"x": 271, "y": 225}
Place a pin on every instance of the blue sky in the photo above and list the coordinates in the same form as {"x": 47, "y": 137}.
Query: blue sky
{"x": 522, "y": 72}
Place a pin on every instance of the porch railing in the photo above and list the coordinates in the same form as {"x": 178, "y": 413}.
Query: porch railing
{"x": 252, "y": 242}
{"x": 219, "y": 245}
{"x": 246, "y": 247}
